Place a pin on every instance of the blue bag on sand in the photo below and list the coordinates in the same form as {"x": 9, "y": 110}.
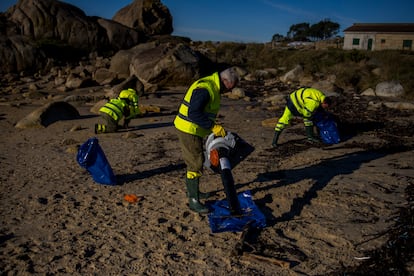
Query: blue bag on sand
{"x": 92, "y": 158}
{"x": 328, "y": 130}
{"x": 220, "y": 219}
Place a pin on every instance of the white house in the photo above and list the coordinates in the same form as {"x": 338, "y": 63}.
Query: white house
{"x": 379, "y": 36}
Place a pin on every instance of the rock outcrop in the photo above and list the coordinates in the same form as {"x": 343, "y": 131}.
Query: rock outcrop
{"x": 389, "y": 89}
{"x": 34, "y": 31}
{"x": 148, "y": 16}
{"x": 48, "y": 114}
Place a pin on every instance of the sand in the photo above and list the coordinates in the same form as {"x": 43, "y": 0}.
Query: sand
{"x": 327, "y": 207}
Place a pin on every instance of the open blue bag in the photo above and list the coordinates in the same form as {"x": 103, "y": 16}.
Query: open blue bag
{"x": 328, "y": 130}
{"x": 91, "y": 157}
{"x": 220, "y": 219}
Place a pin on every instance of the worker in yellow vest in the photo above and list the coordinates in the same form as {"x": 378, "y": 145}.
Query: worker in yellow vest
{"x": 125, "y": 106}
{"x": 195, "y": 120}
{"x": 304, "y": 102}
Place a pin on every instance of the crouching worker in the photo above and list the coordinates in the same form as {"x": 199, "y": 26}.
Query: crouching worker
{"x": 124, "y": 107}
{"x": 304, "y": 102}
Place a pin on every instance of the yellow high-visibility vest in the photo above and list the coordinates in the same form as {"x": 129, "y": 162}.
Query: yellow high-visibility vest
{"x": 114, "y": 108}
{"x": 307, "y": 100}
{"x": 182, "y": 122}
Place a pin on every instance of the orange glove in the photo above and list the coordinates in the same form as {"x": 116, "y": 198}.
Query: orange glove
{"x": 218, "y": 130}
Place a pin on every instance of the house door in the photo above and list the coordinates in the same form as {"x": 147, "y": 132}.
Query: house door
{"x": 369, "y": 44}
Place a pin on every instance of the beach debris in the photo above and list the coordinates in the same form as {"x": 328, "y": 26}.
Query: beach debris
{"x": 239, "y": 250}
{"x": 362, "y": 258}
{"x": 132, "y": 198}
{"x": 272, "y": 260}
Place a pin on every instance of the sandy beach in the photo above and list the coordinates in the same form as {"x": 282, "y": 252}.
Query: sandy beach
{"x": 327, "y": 207}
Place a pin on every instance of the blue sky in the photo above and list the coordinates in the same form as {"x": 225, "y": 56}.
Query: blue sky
{"x": 257, "y": 20}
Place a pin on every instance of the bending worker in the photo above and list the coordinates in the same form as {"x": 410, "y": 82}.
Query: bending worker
{"x": 195, "y": 120}
{"x": 125, "y": 106}
{"x": 304, "y": 102}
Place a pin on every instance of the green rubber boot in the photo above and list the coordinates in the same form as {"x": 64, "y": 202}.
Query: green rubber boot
{"x": 202, "y": 195}
{"x": 275, "y": 138}
{"x": 99, "y": 128}
{"x": 311, "y": 135}
{"x": 194, "y": 196}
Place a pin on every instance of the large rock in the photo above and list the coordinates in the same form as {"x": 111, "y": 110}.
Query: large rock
{"x": 389, "y": 89}
{"x": 293, "y": 75}
{"x": 166, "y": 64}
{"x": 57, "y": 30}
{"x": 104, "y": 76}
{"x": 148, "y": 16}
{"x": 119, "y": 36}
{"x": 18, "y": 53}
{"x": 121, "y": 60}
{"x": 159, "y": 63}
{"x": 50, "y": 19}
{"x": 130, "y": 82}
{"x": 48, "y": 114}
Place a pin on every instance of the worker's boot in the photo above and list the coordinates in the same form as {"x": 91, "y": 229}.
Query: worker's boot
{"x": 194, "y": 196}
{"x": 311, "y": 135}
{"x": 275, "y": 138}
{"x": 99, "y": 128}
{"x": 202, "y": 195}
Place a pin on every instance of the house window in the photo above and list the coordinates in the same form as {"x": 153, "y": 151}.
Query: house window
{"x": 355, "y": 41}
{"x": 382, "y": 41}
{"x": 407, "y": 44}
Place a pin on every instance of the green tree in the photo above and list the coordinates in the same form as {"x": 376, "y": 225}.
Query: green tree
{"x": 299, "y": 32}
{"x": 323, "y": 29}
{"x": 304, "y": 31}
{"x": 277, "y": 38}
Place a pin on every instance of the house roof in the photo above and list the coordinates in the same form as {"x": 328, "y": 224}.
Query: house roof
{"x": 381, "y": 27}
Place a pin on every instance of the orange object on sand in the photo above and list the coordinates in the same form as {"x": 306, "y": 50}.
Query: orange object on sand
{"x": 131, "y": 198}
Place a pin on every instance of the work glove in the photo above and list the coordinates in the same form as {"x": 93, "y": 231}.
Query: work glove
{"x": 218, "y": 130}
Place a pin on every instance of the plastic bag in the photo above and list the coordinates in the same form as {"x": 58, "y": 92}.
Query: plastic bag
{"x": 328, "y": 130}
{"x": 91, "y": 157}
{"x": 220, "y": 219}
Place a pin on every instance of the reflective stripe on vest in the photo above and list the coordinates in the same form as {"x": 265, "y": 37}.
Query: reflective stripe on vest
{"x": 114, "y": 109}
{"x": 183, "y": 122}
{"x": 314, "y": 98}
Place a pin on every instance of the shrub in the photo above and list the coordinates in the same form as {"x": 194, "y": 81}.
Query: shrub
{"x": 352, "y": 68}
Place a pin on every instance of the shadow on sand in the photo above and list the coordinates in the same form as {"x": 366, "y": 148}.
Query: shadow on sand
{"x": 126, "y": 178}
{"x": 320, "y": 174}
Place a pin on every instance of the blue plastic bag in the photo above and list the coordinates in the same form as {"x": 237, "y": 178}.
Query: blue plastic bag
{"x": 220, "y": 219}
{"x": 328, "y": 130}
{"x": 91, "y": 157}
